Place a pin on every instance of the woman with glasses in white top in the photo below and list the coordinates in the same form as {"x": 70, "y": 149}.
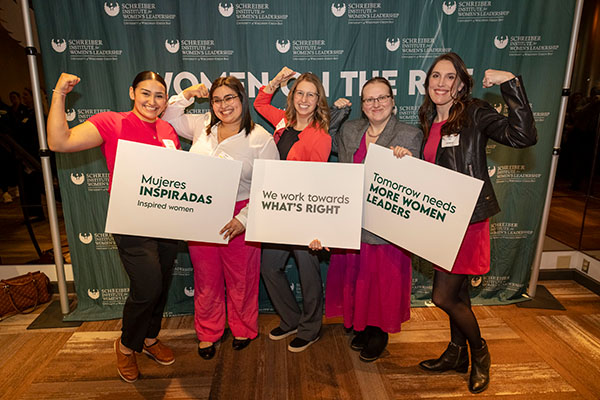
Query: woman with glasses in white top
{"x": 371, "y": 288}
{"x": 301, "y": 135}
{"x": 227, "y": 132}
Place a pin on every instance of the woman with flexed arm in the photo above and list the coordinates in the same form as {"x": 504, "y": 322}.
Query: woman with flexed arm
{"x": 227, "y": 131}
{"x": 148, "y": 261}
{"x": 371, "y": 288}
{"x": 456, "y": 128}
{"x": 301, "y": 135}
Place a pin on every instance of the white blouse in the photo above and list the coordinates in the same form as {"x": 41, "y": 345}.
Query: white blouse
{"x": 245, "y": 148}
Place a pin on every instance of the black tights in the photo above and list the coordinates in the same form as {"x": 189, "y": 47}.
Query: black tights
{"x": 451, "y": 294}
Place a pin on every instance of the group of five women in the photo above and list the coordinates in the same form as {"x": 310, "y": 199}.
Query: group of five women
{"x": 371, "y": 287}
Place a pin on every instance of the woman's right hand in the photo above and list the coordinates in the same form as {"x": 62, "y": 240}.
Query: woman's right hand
{"x": 400, "y": 151}
{"x": 66, "y": 83}
{"x": 198, "y": 90}
{"x": 316, "y": 245}
{"x": 283, "y": 76}
{"x": 342, "y": 103}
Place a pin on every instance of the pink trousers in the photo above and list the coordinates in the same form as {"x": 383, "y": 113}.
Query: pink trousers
{"x": 226, "y": 274}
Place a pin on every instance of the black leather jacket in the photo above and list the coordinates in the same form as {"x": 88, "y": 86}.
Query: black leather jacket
{"x": 469, "y": 157}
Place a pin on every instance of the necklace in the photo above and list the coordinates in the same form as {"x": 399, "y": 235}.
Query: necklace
{"x": 373, "y": 136}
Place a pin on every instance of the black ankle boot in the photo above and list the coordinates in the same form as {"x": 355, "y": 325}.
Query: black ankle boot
{"x": 454, "y": 358}
{"x": 480, "y": 369}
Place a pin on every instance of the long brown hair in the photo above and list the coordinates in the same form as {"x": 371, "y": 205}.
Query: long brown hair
{"x": 321, "y": 113}
{"x": 458, "y": 116}
{"x": 234, "y": 84}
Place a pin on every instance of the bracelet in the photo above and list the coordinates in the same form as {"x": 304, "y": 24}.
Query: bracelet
{"x": 271, "y": 87}
{"x": 58, "y": 91}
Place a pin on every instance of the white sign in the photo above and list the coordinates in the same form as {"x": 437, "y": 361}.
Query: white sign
{"x": 418, "y": 205}
{"x": 159, "y": 192}
{"x": 295, "y": 202}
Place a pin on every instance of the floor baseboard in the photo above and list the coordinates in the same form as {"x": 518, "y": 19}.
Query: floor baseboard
{"x": 571, "y": 274}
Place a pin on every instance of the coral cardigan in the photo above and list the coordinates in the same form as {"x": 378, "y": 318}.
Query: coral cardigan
{"x": 314, "y": 144}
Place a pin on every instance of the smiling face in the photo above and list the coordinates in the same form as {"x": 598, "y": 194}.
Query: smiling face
{"x": 227, "y": 105}
{"x": 376, "y": 104}
{"x": 149, "y": 99}
{"x": 305, "y": 99}
{"x": 444, "y": 85}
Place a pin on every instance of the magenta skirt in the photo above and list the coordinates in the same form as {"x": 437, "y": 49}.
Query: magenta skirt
{"x": 370, "y": 287}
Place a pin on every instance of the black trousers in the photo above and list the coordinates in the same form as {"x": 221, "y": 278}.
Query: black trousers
{"x": 149, "y": 263}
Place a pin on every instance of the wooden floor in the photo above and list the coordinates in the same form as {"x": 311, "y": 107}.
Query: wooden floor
{"x": 536, "y": 354}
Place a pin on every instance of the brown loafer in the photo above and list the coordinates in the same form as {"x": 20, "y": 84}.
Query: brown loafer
{"x": 160, "y": 353}
{"x": 126, "y": 364}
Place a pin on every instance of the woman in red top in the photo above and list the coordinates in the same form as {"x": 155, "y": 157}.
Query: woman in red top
{"x": 456, "y": 128}
{"x": 148, "y": 262}
{"x": 300, "y": 135}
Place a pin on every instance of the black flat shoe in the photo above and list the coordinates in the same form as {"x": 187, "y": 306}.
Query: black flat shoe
{"x": 240, "y": 344}
{"x": 360, "y": 340}
{"x": 207, "y": 352}
{"x": 378, "y": 340}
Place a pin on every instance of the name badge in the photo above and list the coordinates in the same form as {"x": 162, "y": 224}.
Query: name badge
{"x": 169, "y": 144}
{"x": 450, "y": 140}
{"x": 224, "y": 156}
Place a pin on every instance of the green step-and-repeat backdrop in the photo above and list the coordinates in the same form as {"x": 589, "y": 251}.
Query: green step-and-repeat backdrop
{"x": 345, "y": 44}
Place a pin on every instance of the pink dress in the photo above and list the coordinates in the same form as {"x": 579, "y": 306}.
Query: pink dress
{"x": 474, "y": 254}
{"x": 371, "y": 286}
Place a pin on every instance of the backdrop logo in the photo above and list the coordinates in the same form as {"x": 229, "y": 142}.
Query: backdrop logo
{"x": 85, "y": 237}
{"x": 449, "y": 7}
{"x": 476, "y": 281}
{"x": 77, "y": 178}
{"x": 283, "y": 46}
{"x": 172, "y": 46}
{"x": 392, "y": 44}
{"x": 71, "y": 114}
{"x": 189, "y": 291}
{"x": 59, "y": 45}
{"x": 501, "y": 41}
{"x": 362, "y": 13}
{"x": 111, "y": 8}
{"x": 491, "y": 171}
{"x": 338, "y": 9}
{"x": 94, "y": 294}
{"x": 226, "y": 9}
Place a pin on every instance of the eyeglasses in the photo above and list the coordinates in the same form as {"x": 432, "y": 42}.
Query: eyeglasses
{"x": 381, "y": 100}
{"x": 225, "y": 101}
{"x": 312, "y": 96}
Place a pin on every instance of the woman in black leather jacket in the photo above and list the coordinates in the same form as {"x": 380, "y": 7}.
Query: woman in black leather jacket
{"x": 456, "y": 128}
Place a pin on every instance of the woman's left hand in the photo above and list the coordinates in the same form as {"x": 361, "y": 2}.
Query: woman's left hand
{"x": 316, "y": 245}
{"x": 342, "y": 103}
{"x": 198, "y": 90}
{"x": 496, "y": 77}
{"x": 232, "y": 229}
{"x": 400, "y": 151}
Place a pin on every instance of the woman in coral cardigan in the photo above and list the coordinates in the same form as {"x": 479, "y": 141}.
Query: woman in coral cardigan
{"x": 300, "y": 135}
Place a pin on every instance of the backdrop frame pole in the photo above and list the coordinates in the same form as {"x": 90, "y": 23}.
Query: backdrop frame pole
{"x": 535, "y": 268}
{"x": 31, "y": 53}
